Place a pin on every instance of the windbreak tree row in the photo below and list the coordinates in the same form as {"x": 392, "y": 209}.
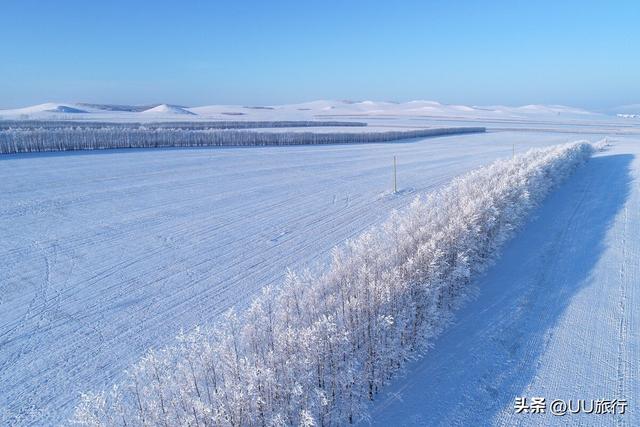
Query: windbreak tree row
{"x": 65, "y": 139}
{"x": 315, "y": 350}
{"x": 193, "y": 125}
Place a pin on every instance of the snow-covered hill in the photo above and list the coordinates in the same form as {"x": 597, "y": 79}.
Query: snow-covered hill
{"x": 43, "y": 109}
{"x": 303, "y": 111}
{"x": 166, "y": 109}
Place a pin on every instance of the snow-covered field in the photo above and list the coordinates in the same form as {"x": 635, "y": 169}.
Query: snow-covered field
{"x": 108, "y": 254}
{"x": 314, "y": 350}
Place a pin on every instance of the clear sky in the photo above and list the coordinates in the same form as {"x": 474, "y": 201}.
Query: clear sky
{"x": 582, "y": 53}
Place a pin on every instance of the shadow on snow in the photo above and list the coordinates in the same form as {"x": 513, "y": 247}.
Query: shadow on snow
{"x": 489, "y": 355}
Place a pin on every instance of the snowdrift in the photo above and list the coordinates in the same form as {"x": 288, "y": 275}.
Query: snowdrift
{"x": 77, "y": 138}
{"x": 317, "y": 349}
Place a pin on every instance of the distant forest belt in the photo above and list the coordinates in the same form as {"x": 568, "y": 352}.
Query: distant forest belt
{"x": 70, "y": 139}
{"x": 188, "y": 125}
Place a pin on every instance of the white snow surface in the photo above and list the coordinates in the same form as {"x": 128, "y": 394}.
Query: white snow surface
{"x": 107, "y": 254}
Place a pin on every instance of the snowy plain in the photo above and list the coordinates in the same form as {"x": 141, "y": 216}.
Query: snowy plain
{"x": 106, "y": 254}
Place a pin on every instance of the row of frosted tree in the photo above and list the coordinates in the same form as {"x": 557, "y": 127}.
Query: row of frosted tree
{"x": 199, "y": 125}
{"x": 70, "y": 138}
{"x": 317, "y": 349}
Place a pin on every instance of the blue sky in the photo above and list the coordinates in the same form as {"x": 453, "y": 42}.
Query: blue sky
{"x": 582, "y": 53}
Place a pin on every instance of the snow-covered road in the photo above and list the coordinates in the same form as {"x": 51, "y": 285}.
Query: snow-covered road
{"x": 556, "y": 317}
{"x": 105, "y": 254}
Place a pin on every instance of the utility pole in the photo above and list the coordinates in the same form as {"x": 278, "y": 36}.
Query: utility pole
{"x": 395, "y": 176}
{"x": 513, "y": 153}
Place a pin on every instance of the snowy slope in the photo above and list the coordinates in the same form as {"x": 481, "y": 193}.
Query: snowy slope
{"x": 44, "y": 110}
{"x": 557, "y": 317}
{"x": 328, "y": 108}
{"x": 166, "y": 109}
{"x": 374, "y": 110}
{"x": 108, "y": 254}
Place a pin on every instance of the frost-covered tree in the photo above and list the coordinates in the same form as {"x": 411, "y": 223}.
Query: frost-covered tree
{"x": 23, "y": 140}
